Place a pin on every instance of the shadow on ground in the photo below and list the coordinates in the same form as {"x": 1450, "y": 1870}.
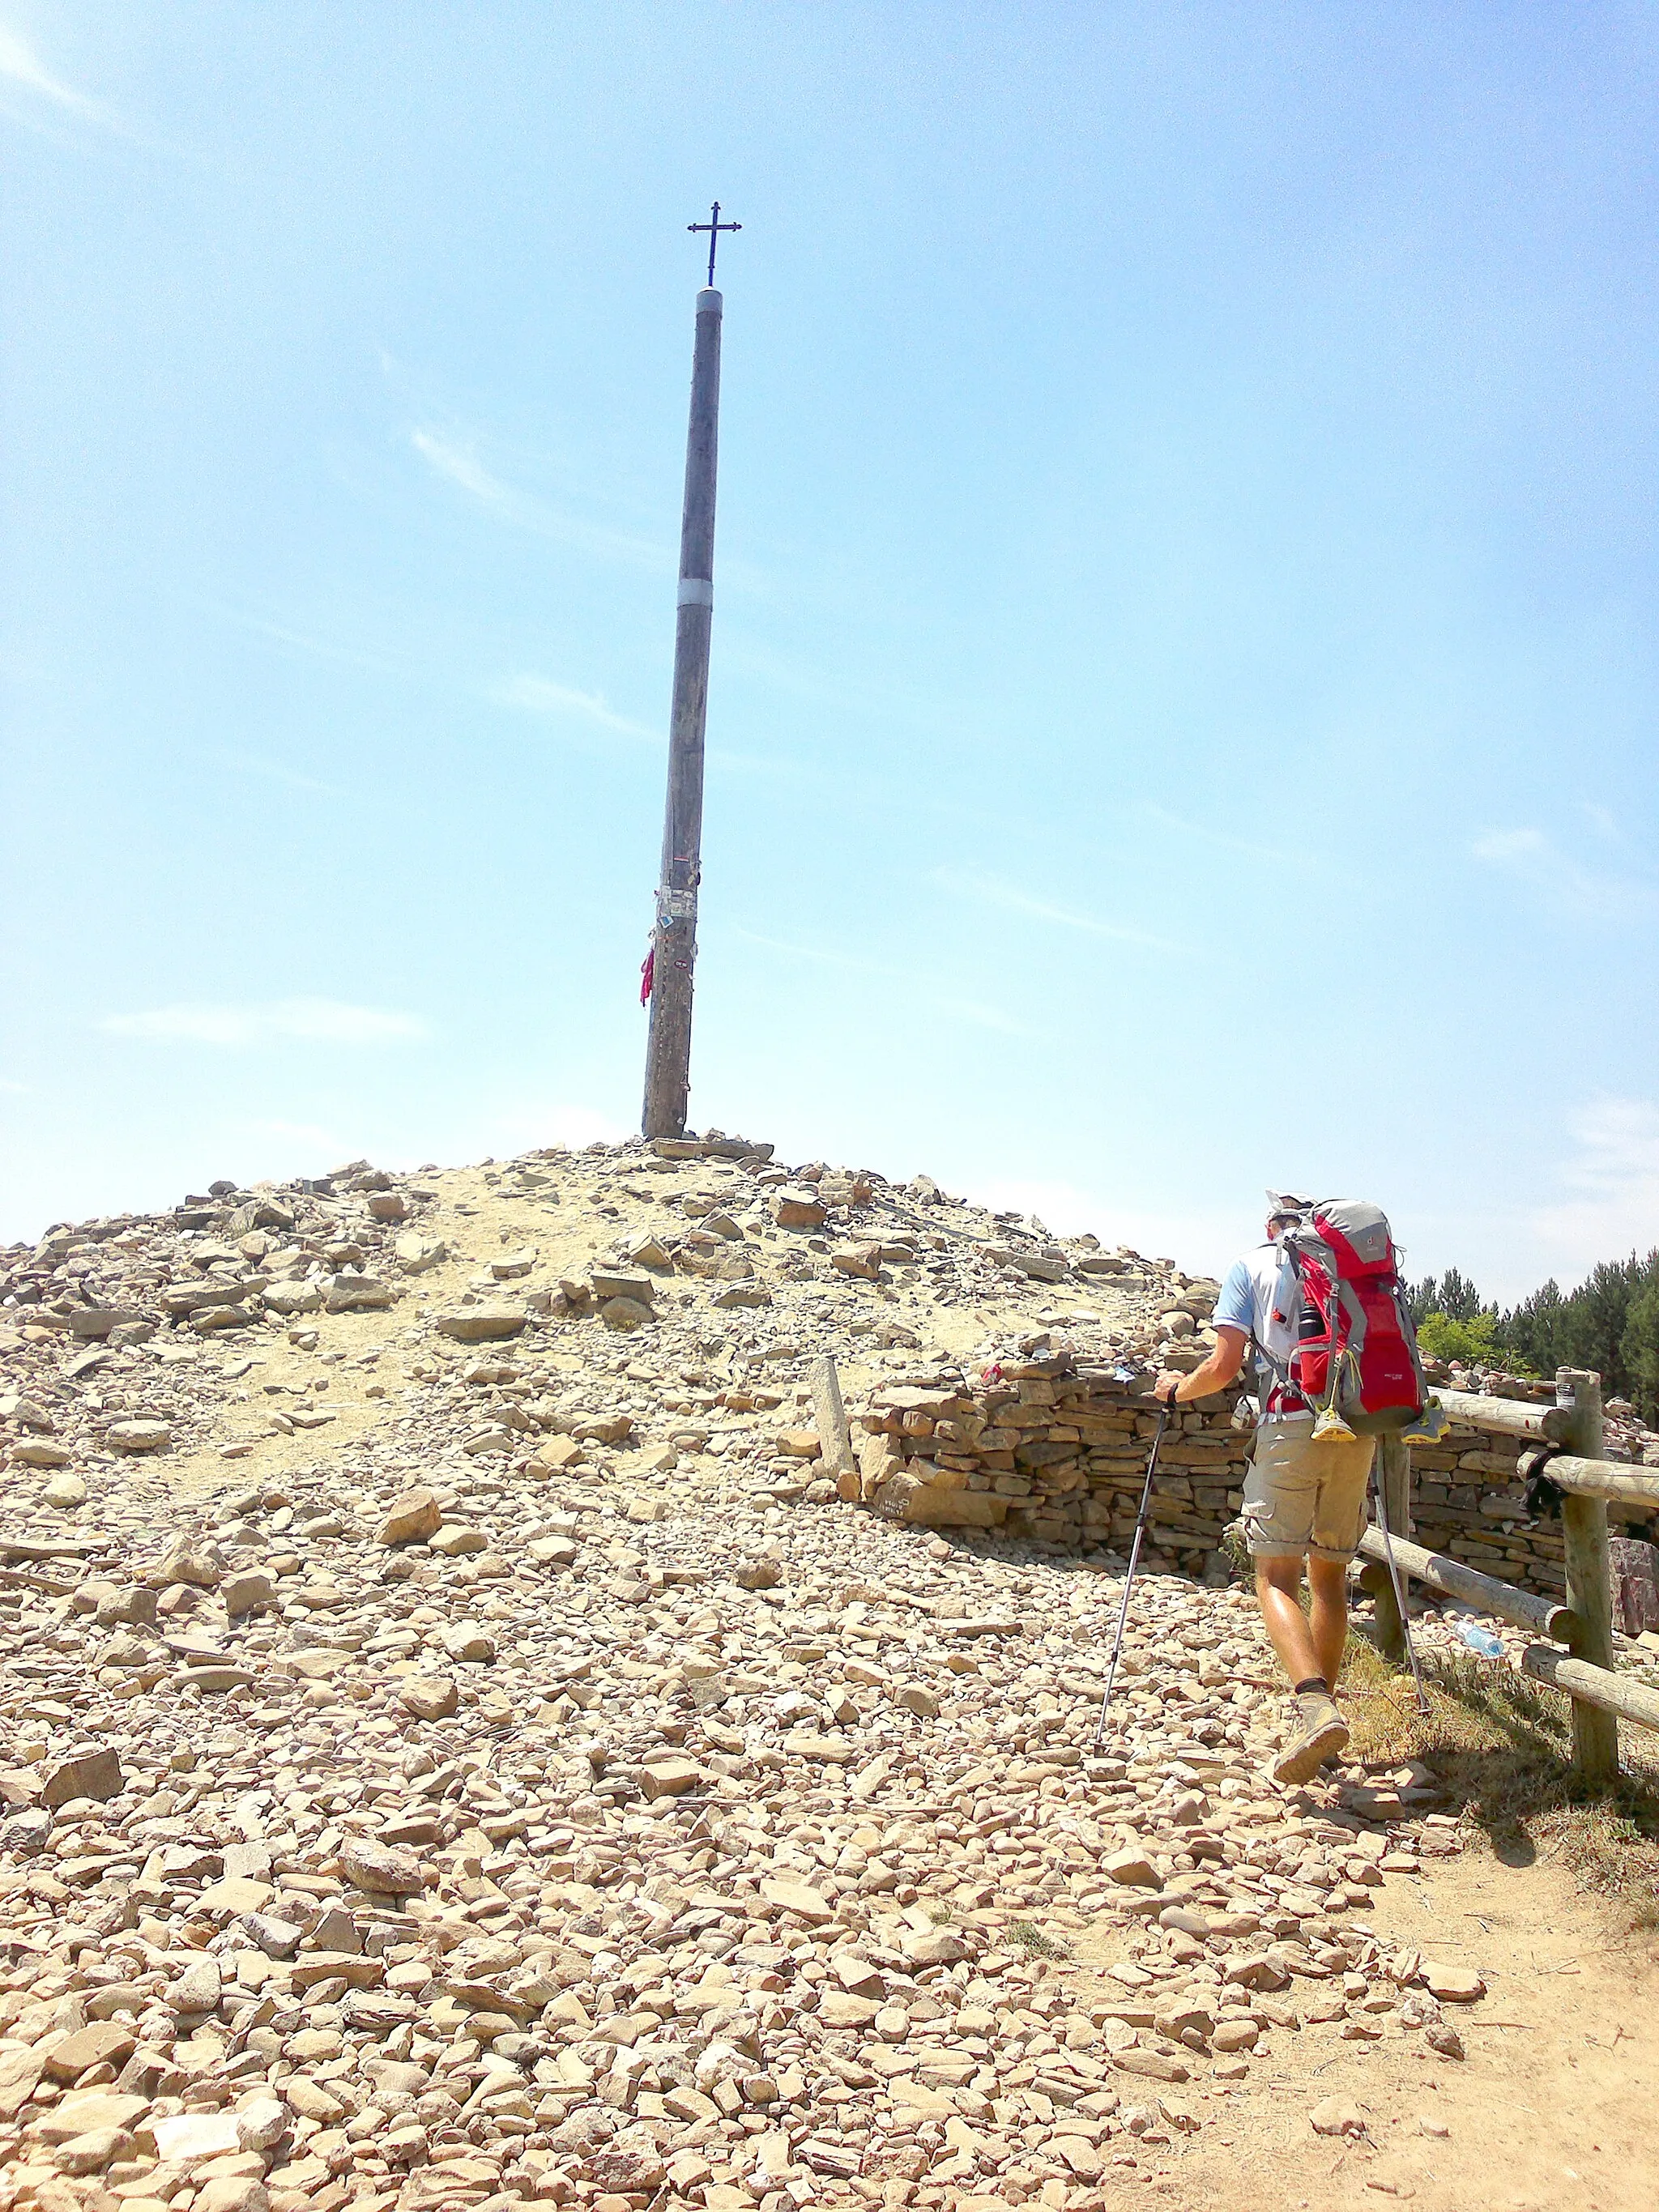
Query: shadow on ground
{"x": 1500, "y": 1746}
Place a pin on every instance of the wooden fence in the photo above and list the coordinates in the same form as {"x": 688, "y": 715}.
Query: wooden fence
{"x": 1578, "y": 1656}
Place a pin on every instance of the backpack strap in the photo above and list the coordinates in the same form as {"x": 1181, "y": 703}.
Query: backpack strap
{"x": 1280, "y": 1369}
{"x": 1281, "y": 1374}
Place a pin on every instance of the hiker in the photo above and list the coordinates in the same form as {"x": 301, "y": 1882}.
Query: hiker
{"x": 1304, "y": 1497}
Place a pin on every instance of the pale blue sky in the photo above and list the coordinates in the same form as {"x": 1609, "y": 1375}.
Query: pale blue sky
{"x": 1185, "y": 672}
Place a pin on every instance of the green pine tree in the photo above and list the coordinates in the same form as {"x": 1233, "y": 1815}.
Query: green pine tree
{"x": 1458, "y": 1297}
{"x": 1640, "y": 1346}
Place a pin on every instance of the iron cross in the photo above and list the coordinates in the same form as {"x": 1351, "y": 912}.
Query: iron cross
{"x": 713, "y": 227}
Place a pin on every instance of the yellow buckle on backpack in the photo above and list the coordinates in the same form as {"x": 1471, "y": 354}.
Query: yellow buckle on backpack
{"x": 1330, "y": 1427}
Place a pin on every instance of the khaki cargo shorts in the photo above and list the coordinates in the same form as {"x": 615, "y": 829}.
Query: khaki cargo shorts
{"x": 1301, "y": 1497}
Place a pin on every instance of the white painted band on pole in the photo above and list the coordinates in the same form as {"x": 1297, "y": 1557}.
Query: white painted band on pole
{"x": 697, "y": 592}
{"x": 710, "y": 303}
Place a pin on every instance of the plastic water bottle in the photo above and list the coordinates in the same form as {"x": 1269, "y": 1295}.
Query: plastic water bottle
{"x": 1481, "y": 1639}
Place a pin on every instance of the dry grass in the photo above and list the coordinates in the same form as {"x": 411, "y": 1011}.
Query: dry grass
{"x": 1501, "y": 1746}
{"x": 1037, "y": 1942}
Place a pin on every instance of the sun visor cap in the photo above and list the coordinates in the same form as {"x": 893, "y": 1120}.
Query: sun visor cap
{"x": 1288, "y": 1205}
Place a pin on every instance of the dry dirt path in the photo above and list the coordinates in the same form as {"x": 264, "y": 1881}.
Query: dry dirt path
{"x": 1555, "y": 2106}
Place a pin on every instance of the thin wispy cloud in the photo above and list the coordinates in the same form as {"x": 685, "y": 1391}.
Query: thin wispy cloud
{"x": 1504, "y": 845}
{"x": 11, "y": 1089}
{"x": 1612, "y": 1179}
{"x": 22, "y": 66}
{"x": 989, "y": 890}
{"x": 1603, "y": 820}
{"x": 457, "y": 463}
{"x": 302, "y": 642}
{"x": 1223, "y": 840}
{"x": 539, "y": 695}
{"x": 268, "y": 771}
{"x": 1619, "y": 1145}
{"x": 312, "y": 1021}
{"x": 1532, "y": 856}
{"x": 925, "y": 990}
{"x": 33, "y": 95}
{"x": 463, "y": 467}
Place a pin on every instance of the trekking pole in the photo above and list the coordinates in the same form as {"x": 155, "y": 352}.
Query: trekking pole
{"x": 1399, "y": 1581}
{"x": 1129, "y": 1579}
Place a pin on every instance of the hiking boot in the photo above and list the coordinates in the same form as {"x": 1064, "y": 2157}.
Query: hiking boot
{"x": 1319, "y": 1733}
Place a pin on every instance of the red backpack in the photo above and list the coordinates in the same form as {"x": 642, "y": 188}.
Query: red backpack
{"x": 1355, "y": 1361}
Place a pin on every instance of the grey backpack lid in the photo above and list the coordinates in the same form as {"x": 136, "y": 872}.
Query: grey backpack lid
{"x": 1364, "y": 1225}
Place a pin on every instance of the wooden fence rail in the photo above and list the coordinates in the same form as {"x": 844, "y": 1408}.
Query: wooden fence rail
{"x": 1601, "y": 1698}
{"x": 1545, "y": 1616}
{"x": 1508, "y": 1416}
{"x": 1612, "y": 1693}
{"x": 1604, "y": 1478}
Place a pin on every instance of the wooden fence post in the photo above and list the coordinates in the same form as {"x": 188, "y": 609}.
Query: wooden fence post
{"x": 1589, "y": 1582}
{"x": 835, "y": 1435}
{"x": 1394, "y": 1469}
{"x": 1393, "y": 1480}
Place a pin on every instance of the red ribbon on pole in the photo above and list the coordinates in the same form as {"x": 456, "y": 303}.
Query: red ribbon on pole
{"x": 647, "y": 975}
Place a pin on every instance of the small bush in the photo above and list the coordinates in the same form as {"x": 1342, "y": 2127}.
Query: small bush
{"x": 1471, "y": 1343}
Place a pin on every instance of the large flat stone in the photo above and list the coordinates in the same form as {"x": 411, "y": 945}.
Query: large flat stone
{"x": 481, "y": 1324}
{"x": 95, "y": 1774}
{"x": 796, "y": 1897}
{"x": 927, "y": 1507}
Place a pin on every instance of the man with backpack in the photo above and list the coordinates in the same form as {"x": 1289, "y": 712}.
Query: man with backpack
{"x": 1321, "y": 1305}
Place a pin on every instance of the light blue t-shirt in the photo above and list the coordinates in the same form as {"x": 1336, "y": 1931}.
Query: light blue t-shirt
{"x": 1262, "y": 1295}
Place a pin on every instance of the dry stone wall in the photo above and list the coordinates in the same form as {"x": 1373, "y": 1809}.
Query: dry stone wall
{"x": 1057, "y": 1450}
{"x": 1045, "y": 1448}
{"x": 1468, "y": 1499}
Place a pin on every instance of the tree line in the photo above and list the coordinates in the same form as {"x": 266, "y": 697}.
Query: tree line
{"x": 1610, "y": 1323}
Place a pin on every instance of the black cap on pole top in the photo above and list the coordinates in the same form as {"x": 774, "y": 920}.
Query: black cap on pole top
{"x": 713, "y": 227}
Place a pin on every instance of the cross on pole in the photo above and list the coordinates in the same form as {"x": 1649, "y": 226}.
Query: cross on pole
{"x": 713, "y": 227}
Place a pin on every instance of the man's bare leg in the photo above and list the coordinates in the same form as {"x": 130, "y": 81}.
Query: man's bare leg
{"x": 1308, "y": 1648}
{"x": 1327, "y": 1585}
{"x": 1278, "y": 1585}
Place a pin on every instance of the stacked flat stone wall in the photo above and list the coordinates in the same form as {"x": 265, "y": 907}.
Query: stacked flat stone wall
{"x": 1468, "y": 1499}
{"x": 1048, "y": 1449}
{"x": 1057, "y": 1451}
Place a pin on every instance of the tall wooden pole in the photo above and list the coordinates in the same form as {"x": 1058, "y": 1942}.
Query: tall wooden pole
{"x": 674, "y": 941}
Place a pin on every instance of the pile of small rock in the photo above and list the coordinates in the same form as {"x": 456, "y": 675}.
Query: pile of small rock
{"x": 554, "y": 1792}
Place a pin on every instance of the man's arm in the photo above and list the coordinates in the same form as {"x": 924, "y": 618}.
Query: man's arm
{"x": 1216, "y": 1372}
